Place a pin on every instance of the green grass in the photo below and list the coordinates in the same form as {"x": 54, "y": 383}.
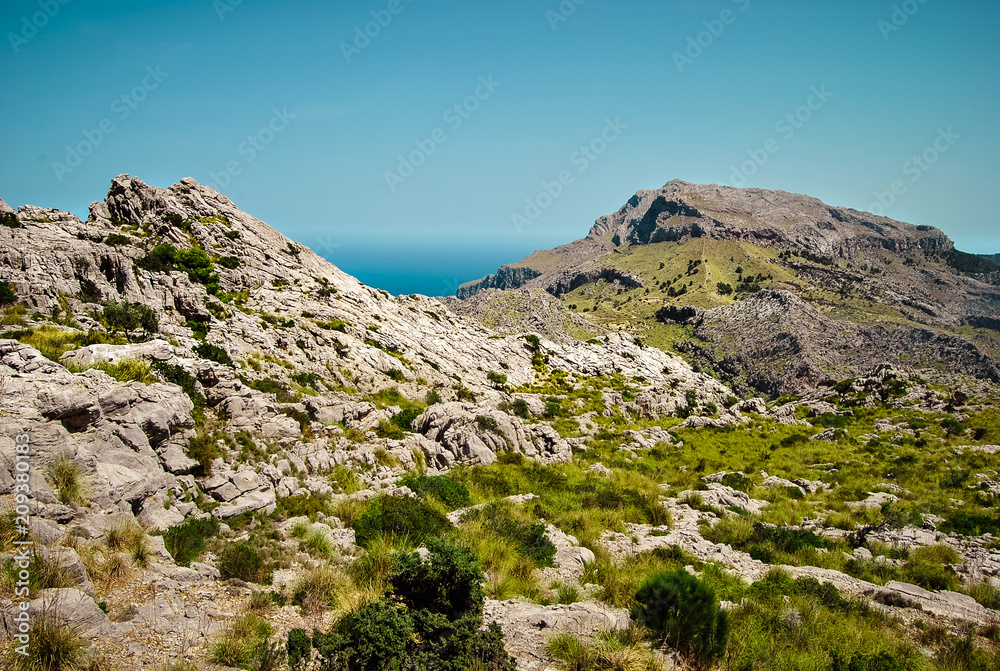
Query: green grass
{"x": 124, "y": 370}
{"x": 53, "y": 342}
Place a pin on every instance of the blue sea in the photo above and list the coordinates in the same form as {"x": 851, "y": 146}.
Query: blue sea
{"x": 428, "y": 270}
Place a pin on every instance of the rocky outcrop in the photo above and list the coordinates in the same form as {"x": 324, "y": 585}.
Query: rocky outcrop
{"x": 527, "y": 627}
{"x": 507, "y": 277}
{"x": 775, "y": 343}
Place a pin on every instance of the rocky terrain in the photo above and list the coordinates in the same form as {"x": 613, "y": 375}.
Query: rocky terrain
{"x": 225, "y": 467}
{"x": 877, "y": 280}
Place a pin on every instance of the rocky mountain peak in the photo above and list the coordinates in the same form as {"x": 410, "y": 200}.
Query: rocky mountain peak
{"x": 768, "y": 218}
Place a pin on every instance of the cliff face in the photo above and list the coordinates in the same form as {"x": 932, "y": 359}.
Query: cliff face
{"x": 507, "y": 277}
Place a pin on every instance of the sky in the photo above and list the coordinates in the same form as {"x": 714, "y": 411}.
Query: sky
{"x": 418, "y": 144}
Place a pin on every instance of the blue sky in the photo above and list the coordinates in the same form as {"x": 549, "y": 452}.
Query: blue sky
{"x": 535, "y": 82}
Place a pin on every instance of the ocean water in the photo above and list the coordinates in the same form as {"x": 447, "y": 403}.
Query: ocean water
{"x": 427, "y": 270}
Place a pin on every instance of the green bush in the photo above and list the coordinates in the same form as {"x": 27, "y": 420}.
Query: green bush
{"x": 449, "y": 492}
{"x": 128, "y": 317}
{"x": 160, "y": 259}
{"x": 10, "y": 220}
{"x": 185, "y": 542}
{"x": 176, "y": 375}
{"x": 299, "y": 648}
{"x": 433, "y": 623}
{"x": 518, "y": 407}
{"x": 213, "y": 353}
{"x": 373, "y": 638}
{"x": 204, "y": 449}
{"x": 199, "y": 267}
{"x": 448, "y": 583}
{"x": 115, "y": 239}
{"x": 684, "y": 612}
{"x": 737, "y": 481}
{"x": 311, "y": 380}
{"x": 404, "y": 419}
{"x": 229, "y": 262}
{"x": 7, "y": 294}
{"x": 498, "y": 380}
{"x": 242, "y": 561}
{"x": 399, "y": 517}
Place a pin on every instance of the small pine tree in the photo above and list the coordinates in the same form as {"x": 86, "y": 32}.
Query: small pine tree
{"x": 685, "y": 613}
{"x": 129, "y": 317}
{"x": 7, "y": 294}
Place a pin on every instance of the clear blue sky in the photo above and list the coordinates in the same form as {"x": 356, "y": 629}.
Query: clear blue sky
{"x": 322, "y": 178}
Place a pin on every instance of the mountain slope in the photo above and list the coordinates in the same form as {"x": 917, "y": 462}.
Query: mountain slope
{"x": 711, "y": 247}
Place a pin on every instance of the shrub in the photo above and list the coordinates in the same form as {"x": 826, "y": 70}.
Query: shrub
{"x": 433, "y": 397}
{"x": 242, "y": 561}
{"x": 116, "y": 239}
{"x": 399, "y": 517}
{"x": 185, "y": 542}
{"x": 498, "y": 380}
{"x": 7, "y": 294}
{"x": 319, "y": 590}
{"x": 10, "y": 220}
{"x": 518, "y": 407}
{"x": 448, "y": 583}
{"x": 404, "y": 419}
{"x": 247, "y": 644}
{"x": 299, "y": 648}
{"x": 199, "y": 267}
{"x": 684, "y": 612}
{"x": 724, "y": 289}
{"x": 449, "y": 492}
{"x": 204, "y": 449}
{"x": 737, "y": 481}
{"x": 229, "y": 262}
{"x": 67, "y": 479}
{"x": 160, "y": 259}
{"x": 176, "y": 375}
{"x": 128, "y": 317}
{"x": 374, "y": 637}
{"x": 213, "y": 353}
{"x": 54, "y": 646}
{"x": 311, "y": 380}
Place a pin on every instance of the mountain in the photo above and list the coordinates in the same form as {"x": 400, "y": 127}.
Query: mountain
{"x": 711, "y": 248}
{"x": 222, "y": 448}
